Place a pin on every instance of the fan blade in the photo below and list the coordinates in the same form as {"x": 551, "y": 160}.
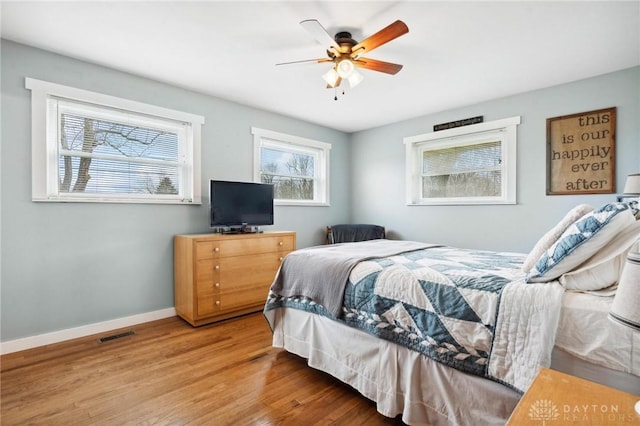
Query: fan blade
{"x": 306, "y": 60}
{"x": 383, "y": 36}
{"x": 318, "y": 32}
{"x": 375, "y": 65}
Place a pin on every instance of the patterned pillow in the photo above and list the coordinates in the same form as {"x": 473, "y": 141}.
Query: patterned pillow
{"x": 581, "y": 240}
{"x": 604, "y": 268}
{"x": 552, "y": 235}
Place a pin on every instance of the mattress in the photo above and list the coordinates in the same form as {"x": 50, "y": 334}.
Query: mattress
{"x": 586, "y": 333}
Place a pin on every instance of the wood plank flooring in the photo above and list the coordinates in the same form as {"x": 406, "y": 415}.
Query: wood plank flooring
{"x": 169, "y": 373}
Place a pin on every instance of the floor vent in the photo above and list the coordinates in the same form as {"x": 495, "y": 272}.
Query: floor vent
{"x": 116, "y": 336}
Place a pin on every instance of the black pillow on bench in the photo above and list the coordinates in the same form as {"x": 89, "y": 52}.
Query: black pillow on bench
{"x": 353, "y": 233}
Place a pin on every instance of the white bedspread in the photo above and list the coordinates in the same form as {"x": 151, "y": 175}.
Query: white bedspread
{"x": 525, "y": 332}
{"x": 468, "y": 309}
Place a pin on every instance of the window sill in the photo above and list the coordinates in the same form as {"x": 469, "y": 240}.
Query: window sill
{"x": 461, "y": 202}
{"x": 111, "y": 200}
{"x": 300, "y": 203}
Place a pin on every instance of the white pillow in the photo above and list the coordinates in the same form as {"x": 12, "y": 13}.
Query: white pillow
{"x": 554, "y": 234}
{"x": 604, "y": 268}
{"x": 581, "y": 240}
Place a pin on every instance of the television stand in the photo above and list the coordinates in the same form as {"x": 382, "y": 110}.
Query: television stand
{"x": 244, "y": 229}
{"x": 222, "y": 276}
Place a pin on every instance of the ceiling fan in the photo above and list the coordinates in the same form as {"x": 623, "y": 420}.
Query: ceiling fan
{"x": 345, "y": 53}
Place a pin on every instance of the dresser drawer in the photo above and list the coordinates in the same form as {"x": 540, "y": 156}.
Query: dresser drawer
{"x": 238, "y": 272}
{"x": 207, "y": 249}
{"x": 244, "y": 246}
{"x": 258, "y": 245}
{"x": 226, "y": 302}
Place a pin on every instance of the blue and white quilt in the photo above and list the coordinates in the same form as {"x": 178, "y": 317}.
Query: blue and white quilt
{"x": 468, "y": 309}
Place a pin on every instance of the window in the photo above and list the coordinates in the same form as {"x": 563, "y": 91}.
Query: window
{"x": 297, "y": 167}
{"x": 97, "y": 148}
{"x": 473, "y": 164}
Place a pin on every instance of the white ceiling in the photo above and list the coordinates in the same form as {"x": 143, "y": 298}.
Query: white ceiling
{"x": 455, "y": 54}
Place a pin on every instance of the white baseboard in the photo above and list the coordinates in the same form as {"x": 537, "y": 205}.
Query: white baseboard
{"x": 83, "y": 331}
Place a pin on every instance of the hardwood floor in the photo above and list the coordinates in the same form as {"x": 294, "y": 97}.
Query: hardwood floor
{"x": 170, "y": 373}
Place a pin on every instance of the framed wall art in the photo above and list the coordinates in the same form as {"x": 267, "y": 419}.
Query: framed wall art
{"x": 581, "y": 153}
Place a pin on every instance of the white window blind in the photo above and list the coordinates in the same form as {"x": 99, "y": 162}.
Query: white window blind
{"x": 110, "y": 152}
{"x": 98, "y": 148}
{"x": 473, "y": 164}
{"x": 463, "y": 171}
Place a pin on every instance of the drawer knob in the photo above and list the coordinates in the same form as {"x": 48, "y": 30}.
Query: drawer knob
{"x": 280, "y": 243}
{"x": 217, "y": 267}
{"x": 216, "y": 249}
{"x": 281, "y": 259}
{"x": 217, "y": 285}
{"x": 217, "y": 303}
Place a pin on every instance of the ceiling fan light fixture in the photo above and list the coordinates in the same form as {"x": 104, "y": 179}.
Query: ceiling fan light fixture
{"x": 345, "y": 68}
{"x": 355, "y": 78}
{"x": 331, "y": 77}
{"x": 344, "y": 53}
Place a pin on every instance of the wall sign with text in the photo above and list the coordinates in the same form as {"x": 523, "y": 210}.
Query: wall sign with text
{"x": 581, "y": 153}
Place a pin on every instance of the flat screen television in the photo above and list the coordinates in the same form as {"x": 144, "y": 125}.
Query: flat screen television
{"x": 240, "y": 206}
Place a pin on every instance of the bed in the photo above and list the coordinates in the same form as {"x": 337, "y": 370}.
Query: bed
{"x": 450, "y": 336}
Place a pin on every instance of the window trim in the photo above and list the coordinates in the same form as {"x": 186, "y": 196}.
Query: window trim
{"x": 263, "y": 137}
{"x": 44, "y": 174}
{"x": 463, "y": 136}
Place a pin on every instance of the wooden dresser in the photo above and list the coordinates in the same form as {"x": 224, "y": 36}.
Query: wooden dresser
{"x": 220, "y": 276}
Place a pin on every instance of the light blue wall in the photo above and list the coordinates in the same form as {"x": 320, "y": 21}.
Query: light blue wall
{"x": 71, "y": 264}
{"x": 68, "y": 265}
{"x": 378, "y": 168}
